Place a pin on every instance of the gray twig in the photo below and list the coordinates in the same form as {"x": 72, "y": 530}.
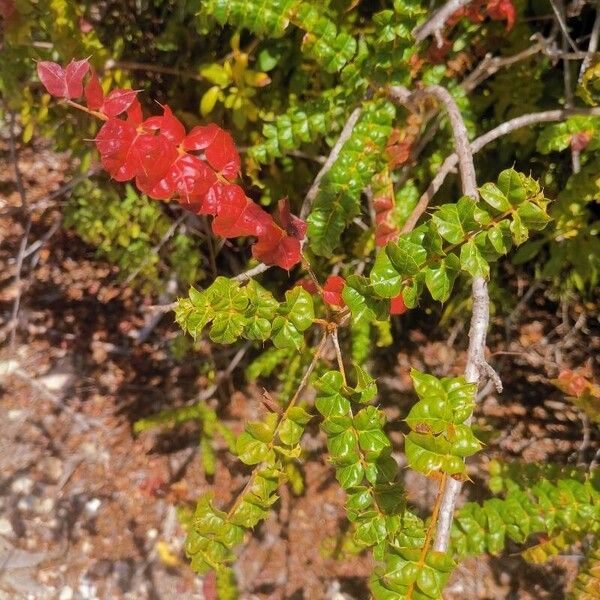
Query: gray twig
{"x": 593, "y": 43}
{"x": 436, "y": 22}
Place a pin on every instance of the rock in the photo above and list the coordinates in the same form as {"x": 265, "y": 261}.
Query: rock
{"x": 91, "y": 507}
{"x": 22, "y": 485}
{"x": 52, "y": 468}
{"x": 5, "y": 527}
{"x": 66, "y": 593}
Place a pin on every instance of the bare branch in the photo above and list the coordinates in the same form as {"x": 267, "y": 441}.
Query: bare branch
{"x": 593, "y": 44}
{"x": 333, "y": 155}
{"x": 559, "y": 14}
{"x": 257, "y": 270}
{"x": 436, "y": 22}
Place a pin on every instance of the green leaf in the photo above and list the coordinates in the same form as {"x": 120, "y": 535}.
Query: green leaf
{"x": 472, "y": 261}
{"x": 296, "y": 315}
{"x": 427, "y": 454}
{"x": 499, "y": 237}
{"x": 329, "y": 399}
{"x": 512, "y": 186}
{"x": 359, "y": 297}
{"x": 495, "y": 197}
{"x": 292, "y": 427}
{"x": 519, "y": 231}
{"x": 454, "y": 221}
{"x": 440, "y": 278}
{"x": 385, "y": 279}
{"x": 366, "y": 388}
{"x": 533, "y": 216}
{"x": 252, "y": 451}
{"x": 406, "y": 256}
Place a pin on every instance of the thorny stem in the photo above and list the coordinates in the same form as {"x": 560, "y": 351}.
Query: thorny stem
{"x": 282, "y": 418}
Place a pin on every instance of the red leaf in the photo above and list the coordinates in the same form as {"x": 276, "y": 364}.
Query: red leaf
{"x": 74, "y": 74}
{"x": 238, "y": 215}
{"x": 134, "y": 113}
{"x": 7, "y": 9}
{"x": 114, "y": 141}
{"x": 277, "y": 248}
{"x": 63, "y": 83}
{"x": 308, "y": 284}
{"x": 294, "y": 226}
{"x": 223, "y": 156}
{"x": 161, "y": 190}
{"x": 94, "y": 96}
{"x": 579, "y": 141}
{"x": 332, "y": 290}
{"x": 500, "y": 10}
{"x": 190, "y": 178}
{"x": 151, "y": 156}
{"x": 168, "y": 125}
{"x": 201, "y": 137}
{"x": 397, "y": 306}
{"x": 118, "y": 101}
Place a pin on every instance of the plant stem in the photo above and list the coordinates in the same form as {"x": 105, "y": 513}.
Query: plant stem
{"x": 282, "y": 418}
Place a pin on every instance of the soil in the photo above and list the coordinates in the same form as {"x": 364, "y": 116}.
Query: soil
{"x": 88, "y": 508}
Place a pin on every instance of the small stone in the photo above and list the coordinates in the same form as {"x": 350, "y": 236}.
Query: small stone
{"x": 66, "y": 593}
{"x": 91, "y": 507}
{"x": 22, "y": 485}
{"x": 86, "y": 547}
{"x": 5, "y": 527}
{"x": 43, "y": 506}
{"x": 15, "y": 414}
{"x": 52, "y": 467}
{"x": 152, "y": 534}
{"x": 26, "y": 503}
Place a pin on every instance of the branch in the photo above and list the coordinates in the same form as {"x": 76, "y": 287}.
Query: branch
{"x": 476, "y": 363}
{"x": 246, "y": 275}
{"x": 435, "y": 24}
{"x": 479, "y": 143}
{"x": 593, "y": 44}
{"x": 335, "y": 152}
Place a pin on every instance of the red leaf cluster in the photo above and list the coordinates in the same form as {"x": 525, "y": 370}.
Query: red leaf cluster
{"x": 497, "y": 10}
{"x": 475, "y": 11}
{"x": 198, "y": 168}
